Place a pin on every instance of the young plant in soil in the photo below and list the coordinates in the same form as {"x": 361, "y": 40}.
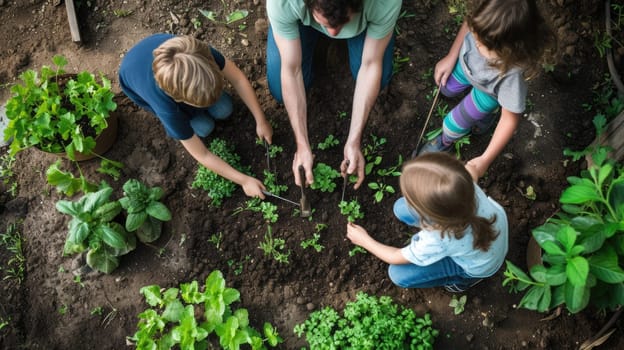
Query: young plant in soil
{"x": 581, "y": 245}
{"x": 186, "y": 317}
{"x": 324, "y": 178}
{"x": 92, "y": 229}
{"x": 145, "y": 213}
{"x": 380, "y": 189}
{"x": 368, "y": 323}
{"x": 274, "y": 247}
{"x": 218, "y": 188}
{"x": 314, "y": 241}
{"x": 372, "y": 153}
{"x": 351, "y": 209}
{"x": 458, "y": 304}
{"x": 329, "y": 142}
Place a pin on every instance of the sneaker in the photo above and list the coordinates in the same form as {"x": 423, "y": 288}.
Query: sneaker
{"x": 435, "y": 145}
{"x": 455, "y": 288}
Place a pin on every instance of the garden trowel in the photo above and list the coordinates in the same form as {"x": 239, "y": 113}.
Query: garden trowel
{"x": 306, "y": 210}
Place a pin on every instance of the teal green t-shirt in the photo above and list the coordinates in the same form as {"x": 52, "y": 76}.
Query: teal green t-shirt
{"x": 378, "y": 18}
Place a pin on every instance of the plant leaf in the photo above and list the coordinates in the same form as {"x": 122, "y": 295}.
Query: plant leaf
{"x": 577, "y": 270}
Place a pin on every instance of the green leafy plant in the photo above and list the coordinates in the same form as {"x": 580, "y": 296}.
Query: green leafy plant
{"x": 458, "y": 304}
{"x": 357, "y": 249}
{"x": 216, "y": 239}
{"x": 238, "y": 265}
{"x": 314, "y": 241}
{"x": 7, "y": 161}
{"x": 459, "y": 144}
{"x": 324, "y": 178}
{"x": 373, "y": 152}
{"x": 269, "y": 212}
{"x": 329, "y": 142}
{"x": 92, "y": 229}
{"x": 351, "y": 209}
{"x": 229, "y": 18}
{"x": 218, "y": 187}
{"x": 274, "y": 247}
{"x": 398, "y": 62}
{"x": 583, "y": 245}
{"x": 60, "y": 114}
{"x": 380, "y": 189}
{"x": 270, "y": 182}
{"x": 145, "y": 213}
{"x": 185, "y": 318}
{"x": 368, "y": 323}
{"x": 15, "y": 267}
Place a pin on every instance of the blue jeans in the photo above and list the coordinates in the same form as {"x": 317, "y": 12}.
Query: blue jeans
{"x": 203, "y": 119}
{"x": 441, "y": 273}
{"x": 309, "y": 37}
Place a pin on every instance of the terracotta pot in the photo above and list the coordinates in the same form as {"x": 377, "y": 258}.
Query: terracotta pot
{"x": 102, "y": 143}
{"x": 534, "y": 253}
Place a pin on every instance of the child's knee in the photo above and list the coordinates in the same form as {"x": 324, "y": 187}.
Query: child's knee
{"x": 404, "y": 213}
{"x": 202, "y": 125}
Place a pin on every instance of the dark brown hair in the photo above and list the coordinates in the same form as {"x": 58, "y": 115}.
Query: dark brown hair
{"x": 514, "y": 29}
{"x": 441, "y": 191}
{"x": 335, "y": 11}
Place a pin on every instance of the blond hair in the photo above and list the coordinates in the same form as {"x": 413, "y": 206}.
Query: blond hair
{"x": 186, "y": 70}
{"x": 442, "y": 192}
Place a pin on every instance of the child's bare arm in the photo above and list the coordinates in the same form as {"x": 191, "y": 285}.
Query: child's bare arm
{"x": 358, "y": 235}
{"x": 445, "y": 66}
{"x": 252, "y": 186}
{"x": 502, "y": 134}
{"x": 242, "y": 86}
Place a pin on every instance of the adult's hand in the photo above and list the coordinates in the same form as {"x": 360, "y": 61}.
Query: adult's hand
{"x": 253, "y": 187}
{"x": 353, "y": 162}
{"x": 264, "y": 130}
{"x": 303, "y": 159}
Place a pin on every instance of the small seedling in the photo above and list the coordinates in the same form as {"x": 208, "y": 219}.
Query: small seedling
{"x": 78, "y": 280}
{"x": 329, "y": 142}
{"x": 122, "y": 13}
{"x": 7, "y": 175}
{"x": 238, "y": 265}
{"x": 230, "y": 18}
{"x": 458, "y": 304}
{"x": 324, "y": 177}
{"x": 351, "y": 210}
{"x": 12, "y": 240}
{"x": 393, "y": 170}
{"x": 380, "y": 189}
{"x": 62, "y": 310}
{"x": 460, "y": 143}
{"x": 313, "y": 242}
{"x": 196, "y": 22}
{"x": 97, "y": 311}
{"x": 216, "y": 239}
{"x": 398, "y": 62}
{"x": 274, "y": 247}
{"x": 357, "y": 249}
{"x": 529, "y": 193}
{"x": 342, "y": 115}
{"x": 269, "y": 212}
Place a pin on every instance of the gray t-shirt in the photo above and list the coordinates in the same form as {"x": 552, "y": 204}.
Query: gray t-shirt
{"x": 509, "y": 90}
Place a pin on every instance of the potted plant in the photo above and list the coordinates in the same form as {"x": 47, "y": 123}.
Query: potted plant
{"x": 583, "y": 245}
{"x": 66, "y": 114}
{"x": 92, "y": 229}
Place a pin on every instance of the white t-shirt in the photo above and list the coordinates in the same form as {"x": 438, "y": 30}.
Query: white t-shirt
{"x": 428, "y": 247}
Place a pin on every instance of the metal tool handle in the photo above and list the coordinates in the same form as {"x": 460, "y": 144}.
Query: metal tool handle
{"x": 305, "y": 205}
{"x": 267, "y": 193}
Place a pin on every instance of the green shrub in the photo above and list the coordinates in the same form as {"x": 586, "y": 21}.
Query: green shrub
{"x": 368, "y": 323}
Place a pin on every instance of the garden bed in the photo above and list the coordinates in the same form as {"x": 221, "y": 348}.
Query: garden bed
{"x": 52, "y": 309}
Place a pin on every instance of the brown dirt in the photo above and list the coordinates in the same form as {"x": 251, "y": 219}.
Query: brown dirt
{"x": 32, "y": 31}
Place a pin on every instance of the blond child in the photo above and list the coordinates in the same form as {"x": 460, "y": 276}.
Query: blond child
{"x": 180, "y": 80}
{"x": 463, "y": 236}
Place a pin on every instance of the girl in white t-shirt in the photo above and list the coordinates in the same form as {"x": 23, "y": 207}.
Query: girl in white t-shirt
{"x": 463, "y": 236}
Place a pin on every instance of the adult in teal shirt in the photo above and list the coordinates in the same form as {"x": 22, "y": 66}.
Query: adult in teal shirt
{"x": 295, "y": 26}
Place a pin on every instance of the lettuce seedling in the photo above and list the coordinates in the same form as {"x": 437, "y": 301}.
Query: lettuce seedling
{"x": 145, "y": 213}
{"x": 324, "y": 177}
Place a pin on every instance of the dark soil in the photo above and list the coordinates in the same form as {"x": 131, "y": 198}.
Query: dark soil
{"x": 32, "y": 31}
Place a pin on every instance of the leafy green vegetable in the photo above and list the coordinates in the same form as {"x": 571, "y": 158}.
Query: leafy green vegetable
{"x": 324, "y": 177}
{"x": 145, "y": 212}
{"x": 368, "y": 323}
{"x": 173, "y": 323}
{"x": 92, "y": 228}
{"x": 351, "y": 210}
{"x": 218, "y": 188}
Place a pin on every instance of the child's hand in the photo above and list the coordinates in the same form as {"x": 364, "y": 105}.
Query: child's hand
{"x": 443, "y": 70}
{"x": 253, "y": 187}
{"x": 264, "y": 130}
{"x": 476, "y": 167}
{"x": 357, "y": 234}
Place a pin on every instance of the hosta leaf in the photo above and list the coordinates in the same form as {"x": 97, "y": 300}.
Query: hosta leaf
{"x": 135, "y": 220}
{"x": 578, "y": 194}
{"x": 577, "y": 270}
{"x": 158, "y": 211}
{"x": 102, "y": 260}
{"x": 604, "y": 265}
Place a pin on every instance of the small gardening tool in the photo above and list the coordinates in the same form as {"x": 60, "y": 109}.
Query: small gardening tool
{"x": 268, "y": 156}
{"x": 267, "y": 193}
{"x": 306, "y": 210}
{"x": 422, "y": 133}
{"x": 344, "y": 183}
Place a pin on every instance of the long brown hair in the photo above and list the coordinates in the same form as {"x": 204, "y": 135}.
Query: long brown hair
{"x": 514, "y": 30}
{"x": 442, "y": 192}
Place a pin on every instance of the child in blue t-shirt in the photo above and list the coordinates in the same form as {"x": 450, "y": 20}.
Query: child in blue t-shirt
{"x": 463, "y": 236}
{"x": 180, "y": 80}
